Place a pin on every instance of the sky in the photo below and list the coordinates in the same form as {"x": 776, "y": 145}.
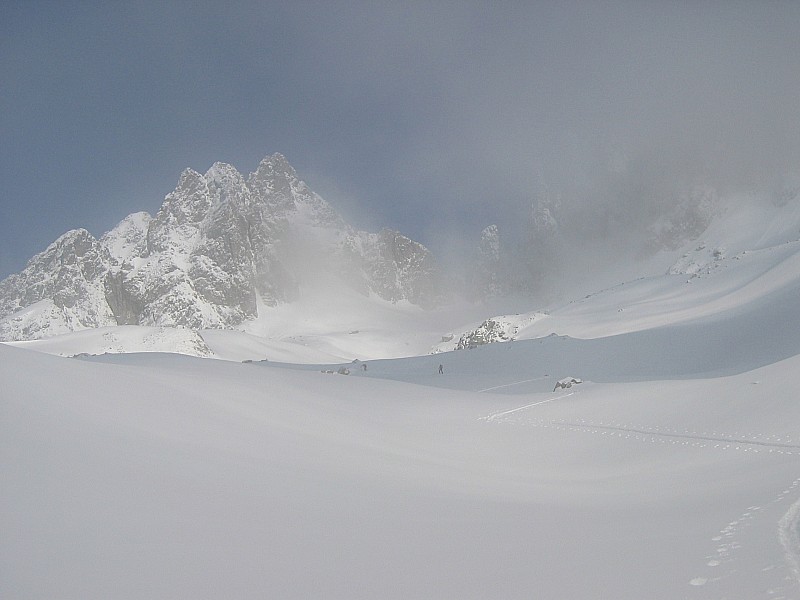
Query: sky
{"x": 433, "y": 118}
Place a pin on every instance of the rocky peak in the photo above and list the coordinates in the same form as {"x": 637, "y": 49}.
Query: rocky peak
{"x": 224, "y": 175}
{"x": 543, "y": 222}
{"x": 274, "y": 166}
{"x": 76, "y": 251}
{"x": 188, "y": 201}
{"x": 691, "y": 214}
{"x": 399, "y": 268}
{"x": 272, "y": 182}
{"x": 65, "y": 281}
{"x": 488, "y": 274}
{"x": 489, "y": 246}
{"x": 545, "y": 212}
{"x": 178, "y": 220}
{"x": 217, "y": 246}
{"x": 128, "y": 239}
{"x": 276, "y": 186}
{"x": 227, "y": 187}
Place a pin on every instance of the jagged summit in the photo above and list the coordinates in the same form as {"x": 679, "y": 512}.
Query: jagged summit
{"x": 219, "y": 245}
{"x": 224, "y": 246}
{"x": 273, "y": 164}
{"x": 128, "y": 238}
{"x": 60, "y": 290}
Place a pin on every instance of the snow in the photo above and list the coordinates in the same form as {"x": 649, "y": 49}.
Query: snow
{"x": 670, "y": 299}
{"x": 157, "y": 475}
{"x": 121, "y": 339}
{"x": 241, "y": 346}
{"x": 497, "y": 329}
{"x": 671, "y": 471}
{"x": 123, "y": 241}
{"x": 333, "y": 320}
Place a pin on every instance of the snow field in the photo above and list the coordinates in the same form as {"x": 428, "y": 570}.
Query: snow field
{"x": 162, "y": 476}
{"x": 673, "y": 471}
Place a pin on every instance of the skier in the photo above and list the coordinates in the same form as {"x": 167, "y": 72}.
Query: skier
{"x": 364, "y": 366}
{"x": 441, "y": 369}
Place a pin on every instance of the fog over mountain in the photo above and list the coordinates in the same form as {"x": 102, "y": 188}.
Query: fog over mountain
{"x": 223, "y": 250}
{"x": 436, "y": 120}
{"x": 637, "y": 442}
{"x": 353, "y": 299}
{"x": 220, "y": 250}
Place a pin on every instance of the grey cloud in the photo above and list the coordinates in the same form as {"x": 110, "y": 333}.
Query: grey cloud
{"x": 428, "y": 117}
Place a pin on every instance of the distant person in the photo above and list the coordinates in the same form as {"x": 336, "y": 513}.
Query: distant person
{"x": 364, "y": 366}
{"x": 441, "y": 369}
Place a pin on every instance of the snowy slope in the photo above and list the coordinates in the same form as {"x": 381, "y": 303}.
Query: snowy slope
{"x": 751, "y": 253}
{"x": 165, "y": 476}
{"x": 751, "y": 283}
{"x": 671, "y": 471}
{"x": 121, "y": 339}
{"x": 338, "y": 325}
{"x": 726, "y": 285}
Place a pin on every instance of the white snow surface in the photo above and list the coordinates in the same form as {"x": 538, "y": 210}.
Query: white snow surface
{"x": 672, "y": 471}
{"x": 122, "y": 241}
{"x": 335, "y": 325}
{"x": 121, "y": 339}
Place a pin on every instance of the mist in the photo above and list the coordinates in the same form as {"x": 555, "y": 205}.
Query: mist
{"x": 434, "y": 119}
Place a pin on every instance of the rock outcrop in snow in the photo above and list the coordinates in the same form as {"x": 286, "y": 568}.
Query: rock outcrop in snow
{"x": 504, "y": 328}
{"x": 702, "y": 260}
{"x": 218, "y": 246}
{"x": 490, "y": 331}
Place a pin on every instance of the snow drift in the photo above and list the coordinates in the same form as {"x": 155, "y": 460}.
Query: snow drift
{"x": 671, "y": 471}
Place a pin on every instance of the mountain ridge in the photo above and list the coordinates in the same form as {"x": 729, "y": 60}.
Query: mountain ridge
{"x": 224, "y": 249}
{"x": 218, "y": 243}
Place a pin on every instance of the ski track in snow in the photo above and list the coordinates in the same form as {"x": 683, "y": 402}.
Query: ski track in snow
{"x": 745, "y": 442}
{"x": 727, "y": 542}
{"x": 779, "y": 581}
{"x": 505, "y": 385}
{"x": 789, "y": 535}
{"x": 497, "y": 415}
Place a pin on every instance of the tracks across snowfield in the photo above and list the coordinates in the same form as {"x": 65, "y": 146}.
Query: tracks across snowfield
{"x": 725, "y": 441}
{"x": 738, "y": 441}
{"x": 789, "y": 535}
{"x": 505, "y": 385}
{"x": 504, "y": 413}
{"x": 777, "y": 581}
{"x": 731, "y": 561}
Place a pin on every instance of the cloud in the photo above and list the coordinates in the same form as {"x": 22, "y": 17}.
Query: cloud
{"x": 426, "y": 116}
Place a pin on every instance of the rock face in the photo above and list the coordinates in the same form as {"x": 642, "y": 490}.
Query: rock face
{"x": 219, "y": 244}
{"x": 490, "y": 278}
{"x": 62, "y": 289}
{"x": 399, "y": 268}
{"x": 691, "y": 215}
{"x": 502, "y": 328}
{"x": 489, "y": 332}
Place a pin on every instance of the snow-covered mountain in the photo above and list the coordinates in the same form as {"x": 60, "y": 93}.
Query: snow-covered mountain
{"x": 266, "y": 256}
{"x": 670, "y": 472}
{"x": 749, "y": 251}
{"x": 220, "y": 246}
